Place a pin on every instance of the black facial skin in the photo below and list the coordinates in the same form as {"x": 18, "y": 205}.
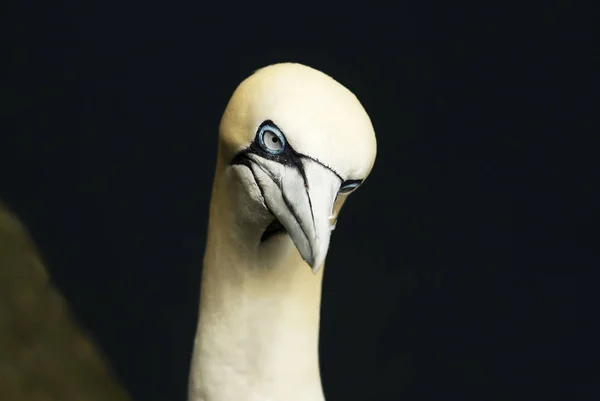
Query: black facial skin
{"x": 290, "y": 158}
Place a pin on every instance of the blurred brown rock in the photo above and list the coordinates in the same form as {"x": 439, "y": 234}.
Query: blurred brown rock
{"x": 44, "y": 354}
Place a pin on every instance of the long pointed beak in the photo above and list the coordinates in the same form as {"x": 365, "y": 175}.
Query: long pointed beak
{"x": 302, "y": 199}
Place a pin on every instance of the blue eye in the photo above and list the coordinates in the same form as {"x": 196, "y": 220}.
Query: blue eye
{"x": 349, "y": 186}
{"x": 271, "y": 139}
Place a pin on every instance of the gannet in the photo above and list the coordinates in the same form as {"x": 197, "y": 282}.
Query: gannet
{"x": 293, "y": 144}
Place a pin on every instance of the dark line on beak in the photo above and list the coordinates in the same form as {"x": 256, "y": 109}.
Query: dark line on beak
{"x": 322, "y": 164}
{"x": 288, "y": 204}
{"x": 300, "y": 166}
{"x": 244, "y": 160}
{"x": 275, "y": 227}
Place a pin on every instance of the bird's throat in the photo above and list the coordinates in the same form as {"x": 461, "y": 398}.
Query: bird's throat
{"x": 258, "y": 329}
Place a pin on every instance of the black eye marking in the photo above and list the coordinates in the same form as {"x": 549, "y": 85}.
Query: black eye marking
{"x": 322, "y": 164}
{"x": 349, "y": 186}
{"x": 285, "y": 155}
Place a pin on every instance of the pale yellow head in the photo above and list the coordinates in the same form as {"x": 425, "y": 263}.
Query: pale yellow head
{"x": 298, "y": 142}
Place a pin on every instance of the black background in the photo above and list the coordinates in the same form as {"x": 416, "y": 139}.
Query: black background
{"x": 458, "y": 270}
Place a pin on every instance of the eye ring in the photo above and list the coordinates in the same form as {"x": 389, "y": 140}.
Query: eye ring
{"x": 271, "y": 139}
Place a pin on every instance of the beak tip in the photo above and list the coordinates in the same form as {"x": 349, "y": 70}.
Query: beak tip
{"x": 315, "y": 269}
{"x": 314, "y": 264}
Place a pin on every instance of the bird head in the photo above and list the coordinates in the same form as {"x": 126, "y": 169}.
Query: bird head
{"x": 298, "y": 143}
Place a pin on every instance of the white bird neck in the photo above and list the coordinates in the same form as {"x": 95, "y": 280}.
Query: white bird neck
{"x": 258, "y": 330}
